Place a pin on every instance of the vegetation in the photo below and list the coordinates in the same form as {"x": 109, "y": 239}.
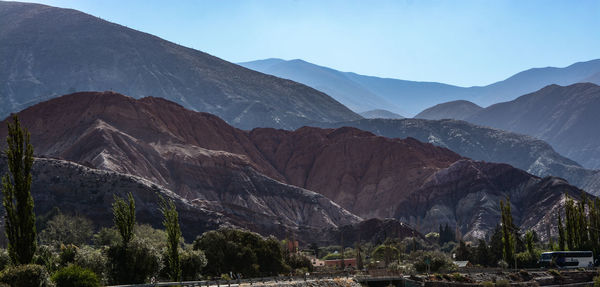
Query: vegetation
{"x": 17, "y": 200}
{"x": 582, "y": 224}
{"x": 508, "y": 232}
{"x": 171, "y": 223}
{"x": 75, "y": 276}
{"x": 124, "y": 217}
{"x": 241, "y": 252}
{"x": 25, "y": 275}
{"x": 65, "y": 229}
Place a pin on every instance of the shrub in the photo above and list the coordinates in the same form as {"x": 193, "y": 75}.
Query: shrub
{"x": 597, "y": 281}
{"x": 192, "y": 262}
{"x": 502, "y": 283}
{"x": 554, "y": 272}
{"x": 134, "y": 263}
{"x": 65, "y": 229}
{"x": 107, "y": 237}
{"x": 46, "y": 257}
{"x": 75, "y": 276}
{"x": 93, "y": 259}
{"x": 25, "y": 276}
{"x": 67, "y": 254}
{"x": 438, "y": 261}
{"x": 488, "y": 284}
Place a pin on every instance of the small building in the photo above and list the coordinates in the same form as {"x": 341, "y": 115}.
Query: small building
{"x": 316, "y": 262}
{"x": 347, "y": 262}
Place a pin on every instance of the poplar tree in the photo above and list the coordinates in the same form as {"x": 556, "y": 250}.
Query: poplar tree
{"x": 561, "y": 234}
{"x": 124, "y": 217}
{"x": 508, "y": 238}
{"x": 171, "y": 223}
{"x": 17, "y": 199}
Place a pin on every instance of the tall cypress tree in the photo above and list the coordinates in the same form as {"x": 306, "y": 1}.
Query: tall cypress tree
{"x": 171, "y": 223}
{"x": 17, "y": 199}
{"x": 124, "y": 217}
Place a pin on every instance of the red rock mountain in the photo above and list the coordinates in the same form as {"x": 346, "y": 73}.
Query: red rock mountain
{"x": 204, "y": 160}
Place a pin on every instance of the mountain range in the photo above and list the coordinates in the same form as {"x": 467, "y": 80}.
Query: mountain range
{"x": 361, "y": 93}
{"x": 46, "y": 52}
{"x": 485, "y": 144}
{"x": 271, "y": 179}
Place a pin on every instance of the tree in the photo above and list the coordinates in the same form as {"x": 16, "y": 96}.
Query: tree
{"x": 65, "y": 229}
{"x": 387, "y": 252}
{"x": 561, "y": 234}
{"x": 529, "y": 240}
{"x": 171, "y": 223}
{"x": 482, "y": 253}
{"x": 496, "y": 246}
{"x": 463, "y": 251}
{"x": 17, "y": 199}
{"x": 124, "y": 217}
{"x": 508, "y": 232}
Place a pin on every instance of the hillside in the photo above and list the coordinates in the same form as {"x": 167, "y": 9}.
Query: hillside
{"x": 277, "y": 174}
{"x": 458, "y": 110}
{"x": 565, "y": 117}
{"x": 380, "y": 114}
{"x": 46, "y": 52}
{"x": 486, "y": 144}
{"x": 408, "y": 98}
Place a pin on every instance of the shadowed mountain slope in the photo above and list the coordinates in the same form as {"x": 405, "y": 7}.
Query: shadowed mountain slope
{"x": 458, "y": 110}
{"x": 46, "y": 52}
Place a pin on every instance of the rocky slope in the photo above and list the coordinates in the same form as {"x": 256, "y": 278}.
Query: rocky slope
{"x": 237, "y": 173}
{"x": 487, "y": 144}
{"x": 46, "y": 52}
{"x": 458, "y": 110}
{"x": 380, "y": 114}
{"x": 565, "y": 117}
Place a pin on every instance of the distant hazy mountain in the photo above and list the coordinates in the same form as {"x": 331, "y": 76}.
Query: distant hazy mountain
{"x": 329, "y": 81}
{"x": 380, "y": 114}
{"x": 47, "y": 51}
{"x": 411, "y": 97}
{"x": 481, "y": 143}
{"x": 566, "y": 117}
{"x": 458, "y": 110}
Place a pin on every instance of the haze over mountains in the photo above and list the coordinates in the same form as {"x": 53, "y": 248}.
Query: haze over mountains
{"x": 269, "y": 177}
{"x": 408, "y": 98}
{"x": 565, "y": 117}
{"x": 46, "y": 52}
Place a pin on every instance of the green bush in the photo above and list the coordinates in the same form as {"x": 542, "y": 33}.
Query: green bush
{"x": 503, "y": 283}
{"x": 597, "y": 281}
{"x": 67, "y": 254}
{"x": 25, "y": 276}
{"x": 45, "y": 256}
{"x": 438, "y": 261}
{"x": 192, "y": 262}
{"x": 554, "y": 272}
{"x": 93, "y": 259}
{"x": 488, "y": 284}
{"x": 75, "y": 276}
{"x": 133, "y": 264}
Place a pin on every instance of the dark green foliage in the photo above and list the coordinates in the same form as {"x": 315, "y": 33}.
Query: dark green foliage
{"x": 75, "y": 276}
{"x": 482, "y": 255}
{"x": 386, "y": 252}
{"x": 582, "y": 224}
{"x": 67, "y": 254}
{"x": 446, "y": 235}
{"x": 527, "y": 259}
{"x": 496, "y": 246}
{"x": 597, "y": 281}
{"x": 463, "y": 252}
{"x": 4, "y": 259}
{"x": 65, "y": 229}
{"x": 171, "y": 223}
{"x": 17, "y": 200}
{"x": 93, "y": 259}
{"x": 192, "y": 262}
{"x": 438, "y": 261}
{"x": 529, "y": 241}
{"x": 298, "y": 261}
{"x": 106, "y": 237}
{"x": 561, "y": 234}
{"x": 238, "y": 251}
{"x": 26, "y": 275}
{"x": 45, "y": 256}
{"x": 133, "y": 263}
{"x": 508, "y": 232}
{"x": 124, "y": 217}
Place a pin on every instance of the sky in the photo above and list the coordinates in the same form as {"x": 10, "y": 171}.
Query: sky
{"x": 460, "y": 42}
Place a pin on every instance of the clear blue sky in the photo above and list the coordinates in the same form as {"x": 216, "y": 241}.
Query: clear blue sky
{"x": 457, "y": 42}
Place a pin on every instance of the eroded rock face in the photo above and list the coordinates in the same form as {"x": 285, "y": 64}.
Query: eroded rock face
{"x": 269, "y": 179}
